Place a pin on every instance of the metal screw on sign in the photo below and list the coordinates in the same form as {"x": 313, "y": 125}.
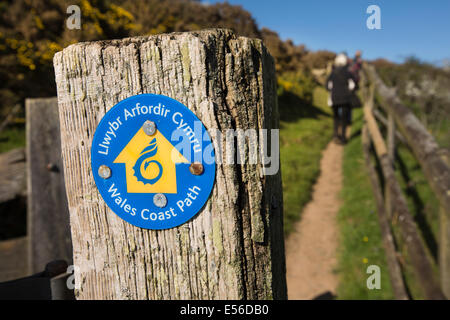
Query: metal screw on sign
{"x": 196, "y": 168}
{"x": 104, "y": 171}
{"x": 160, "y": 200}
{"x": 149, "y": 127}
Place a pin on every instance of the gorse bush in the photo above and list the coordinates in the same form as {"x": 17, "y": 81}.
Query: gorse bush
{"x": 299, "y": 84}
{"x": 32, "y": 31}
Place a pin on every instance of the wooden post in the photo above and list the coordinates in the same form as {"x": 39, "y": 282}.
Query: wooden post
{"x": 416, "y": 250}
{"x": 395, "y": 272}
{"x": 444, "y": 244}
{"x": 444, "y": 251}
{"x": 398, "y": 136}
{"x": 391, "y": 138}
{"x": 14, "y": 258}
{"x": 48, "y": 214}
{"x": 234, "y": 247}
{"x": 12, "y": 175}
{"x": 427, "y": 152}
{"x": 11, "y": 114}
{"x": 391, "y": 156}
{"x": 421, "y": 142}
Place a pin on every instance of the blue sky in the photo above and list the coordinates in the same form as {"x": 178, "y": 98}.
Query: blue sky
{"x": 408, "y": 27}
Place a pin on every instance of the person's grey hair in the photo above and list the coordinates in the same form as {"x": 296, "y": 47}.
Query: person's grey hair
{"x": 340, "y": 60}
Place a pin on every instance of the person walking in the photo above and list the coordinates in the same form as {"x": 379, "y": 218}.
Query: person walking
{"x": 341, "y": 84}
{"x": 355, "y": 66}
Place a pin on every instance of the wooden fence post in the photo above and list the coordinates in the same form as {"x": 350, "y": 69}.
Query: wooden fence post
{"x": 444, "y": 244}
{"x": 444, "y": 251}
{"x": 395, "y": 272}
{"x": 421, "y": 142}
{"x": 48, "y": 214}
{"x": 427, "y": 152}
{"x": 12, "y": 175}
{"x": 391, "y": 154}
{"x": 398, "y": 136}
{"x": 416, "y": 250}
{"x": 234, "y": 247}
{"x": 391, "y": 138}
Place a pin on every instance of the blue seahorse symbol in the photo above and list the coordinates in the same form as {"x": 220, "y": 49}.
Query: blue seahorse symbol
{"x": 145, "y": 154}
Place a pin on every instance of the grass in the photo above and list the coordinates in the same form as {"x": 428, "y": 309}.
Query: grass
{"x": 305, "y": 131}
{"x": 360, "y": 243}
{"x": 12, "y": 137}
{"x": 421, "y": 199}
{"x": 424, "y": 206}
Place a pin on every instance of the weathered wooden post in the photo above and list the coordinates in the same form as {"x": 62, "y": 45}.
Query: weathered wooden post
{"x": 48, "y": 215}
{"x": 234, "y": 247}
{"x": 444, "y": 244}
{"x": 395, "y": 272}
{"x": 416, "y": 250}
{"x": 391, "y": 138}
{"x": 391, "y": 154}
{"x": 436, "y": 170}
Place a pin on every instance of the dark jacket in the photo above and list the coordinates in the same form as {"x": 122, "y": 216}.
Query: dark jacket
{"x": 338, "y": 81}
{"x": 355, "y": 69}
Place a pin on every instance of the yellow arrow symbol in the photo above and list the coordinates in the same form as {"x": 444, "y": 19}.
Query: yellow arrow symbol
{"x": 167, "y": 156}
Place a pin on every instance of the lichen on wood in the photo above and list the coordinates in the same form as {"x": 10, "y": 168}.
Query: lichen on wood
{"x": 234, "y": 247}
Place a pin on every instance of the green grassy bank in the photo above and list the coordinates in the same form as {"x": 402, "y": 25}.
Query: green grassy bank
{"x": 360, "y": 243}
{"x": 305, "y": 130}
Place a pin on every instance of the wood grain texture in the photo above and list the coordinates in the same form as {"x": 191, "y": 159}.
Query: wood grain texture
{"x": 395, "y": 271}
{"x": 48, "y": 214}
{"x": 382, "y": 119}
{"x": 444, "y": 243}
{"x": 234, "y": 248}
{"x": 13, "y": 182}
{"x": 391, "y": 138}
{"x": 14, "y": 259}
{"x": 417, "y": 252}
{"x": 421, "y": 142}
{"x": 428, "y": 154}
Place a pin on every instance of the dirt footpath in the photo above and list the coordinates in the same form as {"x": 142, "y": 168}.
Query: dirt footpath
{"x": 311, "y": 248}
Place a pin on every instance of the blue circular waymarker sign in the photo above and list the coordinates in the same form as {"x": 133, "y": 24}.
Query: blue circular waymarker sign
{"x": 153, "y": 161}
